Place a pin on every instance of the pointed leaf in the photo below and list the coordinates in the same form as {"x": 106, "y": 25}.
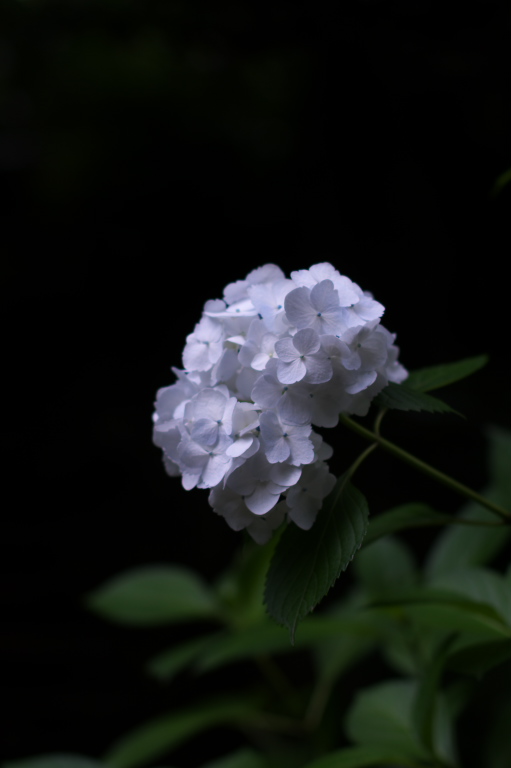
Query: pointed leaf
{"x": 401, "y": 397}
{"x": 158, "y": 737}
{"x": 437, "y": 376}
{"x": 156, "y": 594}
{"x": 307, "y": 563}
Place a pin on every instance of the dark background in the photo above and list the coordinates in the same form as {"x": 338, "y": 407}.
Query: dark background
{"x": 150, "y": 153}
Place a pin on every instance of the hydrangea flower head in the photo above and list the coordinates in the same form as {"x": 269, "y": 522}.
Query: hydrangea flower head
{"x": 271, "y": 360}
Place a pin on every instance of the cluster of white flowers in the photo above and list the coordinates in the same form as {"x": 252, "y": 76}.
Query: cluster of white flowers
{"x": 262, "y": 366}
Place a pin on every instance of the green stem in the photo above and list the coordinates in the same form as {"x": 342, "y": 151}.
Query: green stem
{"x": 427, "y": 469}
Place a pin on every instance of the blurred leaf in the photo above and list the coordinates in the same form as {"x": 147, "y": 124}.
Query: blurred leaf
{"x": 241, "y": 588}
{"x": 169, "y": 663}
{"x": 272, "y": 639}
{"x": 381, "y": 716}
{"x": 480, "y": 585}
{"x": 340, "y": 652}
{"x": 425, "y": 710}
{"x": 385, "y": 568}
{"x": 243, "y": 758}
{"x": 307, "y": 563}
{"x": 437, "y": 376}
{"x": 459, "y": 546}
{"x": 155, "y": 594}
{"x": 158, "y": 737}
{"x": 457, "y": 616}
{"x": 478, "y": 658}
{"x": 400, "y": 397}
{"x": 363, "y": 757}
{"x": 54, "y": 761}
{"x": 414, "y": 515}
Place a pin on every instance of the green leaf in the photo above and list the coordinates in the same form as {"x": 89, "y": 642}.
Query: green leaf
{"x": 243, "y": 758}
{"x": 385, "y": 568}
{"x": 307, "y": 563}
{"x": 480, "y": 585}
{"x": 335, "y": 655}
{"x": 363, "y": 757}
{"x": 241, "y": 588}
{"x": 478, "y": 658}
{"x": 437, "y": 376}
{"x": 456, "y": 616}
{"x": 400, "y": 397}
{"x": 155, "y": 594}
{"x": 158, "y": 737}
{"x": 466, "y": 545}
{"x": 414, "y": 515}
{"x": 54, "y": 761}
{"x": 169, "y": 663}
{"x": 460, "y": 545}
{"x": 271, "y": 639}
{"x": 425, "y": 709}
{"x": 381, "y": 716}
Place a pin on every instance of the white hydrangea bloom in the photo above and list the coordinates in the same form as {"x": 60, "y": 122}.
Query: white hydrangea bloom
{"x": 265, "y": 364}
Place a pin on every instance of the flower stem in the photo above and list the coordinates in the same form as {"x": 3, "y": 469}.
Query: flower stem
{"x": 427, "y": 469}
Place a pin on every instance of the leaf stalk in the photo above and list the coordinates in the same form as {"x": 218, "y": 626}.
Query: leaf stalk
{"x": 423, "y": 467}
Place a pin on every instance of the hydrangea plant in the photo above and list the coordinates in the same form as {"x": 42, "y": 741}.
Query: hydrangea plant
{"x": 264, "y": 365}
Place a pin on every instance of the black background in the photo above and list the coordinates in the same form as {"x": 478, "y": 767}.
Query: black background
{"x": 152, "y": 152}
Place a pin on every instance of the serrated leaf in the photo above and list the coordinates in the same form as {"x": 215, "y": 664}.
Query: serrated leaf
{"x": 406, "y": 516}
{"x": 363, "y": 757}
{"x": 54, "y": 761}
{"x": 153, "y": 595}
{"x": 381, "y": 716}
{"x": 243, "y": 758}
{"x": 400, "y": 397}
{"x": 307, "y": 563}
{"x": 156, "y": 738}
{"x": 437, "y": 376}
